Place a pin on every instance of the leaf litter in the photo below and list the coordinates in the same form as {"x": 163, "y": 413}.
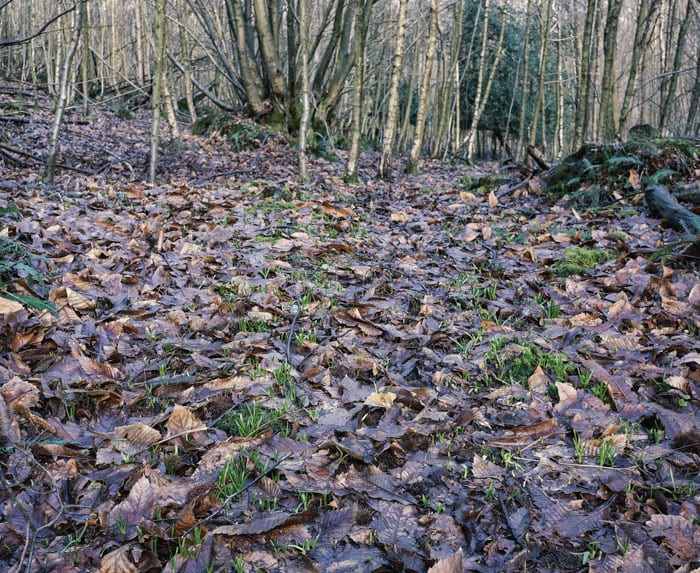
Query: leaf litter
{"x": 245, "y": 374}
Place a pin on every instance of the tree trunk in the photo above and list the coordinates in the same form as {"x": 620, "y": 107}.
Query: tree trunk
{"x": 158, "y": 73}
{"x": 186, "y": 51}
{"x": 393, "y": 106}
{"x": 608, "y": 95}
{"x": 483, "y": 97}
{"x": 642, "y": 33}
{"x": 268, "y": 54}
{"x": 305, "y": 90}
{"x": 329, "y": 90}
{"x": 362, "y": 18}
{"x": 85, "y": 63}
{"x": 424, "y": 94}
{"x": 64, "y": 89}
{"x": 250, "y": 78}
{"x": 540, "y": 100}
{"x": 448, "y": 94}
{"x": 583, "y": 89}
{"x": 692, "y": 125}
{"x": 669, "y": 93}
{"x": 522, "y": 135}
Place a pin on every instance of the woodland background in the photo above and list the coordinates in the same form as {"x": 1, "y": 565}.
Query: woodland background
{"x": 246, "y": 351}
{"x": 435, "y": 77}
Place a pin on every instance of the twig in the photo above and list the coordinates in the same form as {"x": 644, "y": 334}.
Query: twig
{"x": 30, "y": 540}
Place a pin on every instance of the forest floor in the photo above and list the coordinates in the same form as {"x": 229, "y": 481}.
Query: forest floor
{"x": 237, "y": 373}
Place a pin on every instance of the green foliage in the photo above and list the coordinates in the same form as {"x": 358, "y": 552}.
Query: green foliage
{"x": 241, "y": 133}
{"x": 580, "y": 260}
{"x": 513, "y": 362}
{"x": 324, "y": 147}
{"x": 17, "y": 262}
{"x": 606, "y": 168}
{"x": 232, "y": 478}
{"x": 505, "y": 94}
{"x": 481, "y": 185}
{"x": 247, "y": 421}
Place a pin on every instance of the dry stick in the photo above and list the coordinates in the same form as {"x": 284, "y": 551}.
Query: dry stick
{"x": 5, "y": 149}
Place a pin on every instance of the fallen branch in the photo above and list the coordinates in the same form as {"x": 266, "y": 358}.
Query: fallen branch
{"x": 538, "y": 157}
{"x": 6, "y": 150}
{"x": 664, "y": 205}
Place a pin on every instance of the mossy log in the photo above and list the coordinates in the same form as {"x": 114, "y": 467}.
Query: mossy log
{"x": 661, "y": 203}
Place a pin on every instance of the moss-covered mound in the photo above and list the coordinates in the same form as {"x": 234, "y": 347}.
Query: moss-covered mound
{"x": 595, "y": 170}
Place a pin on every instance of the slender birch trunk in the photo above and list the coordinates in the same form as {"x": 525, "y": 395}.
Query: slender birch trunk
{"x": 362, "y": 17}
{"x": 157, "y": 88}
{"x": 305, "y": 90}
{"x": 424, "y": 95}
{"x": 393, "y": 106}
{"x": 63, "y": 92}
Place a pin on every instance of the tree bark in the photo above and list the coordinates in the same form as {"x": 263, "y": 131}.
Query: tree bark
{"x": 393, "y": 106}
{"x": 362, "y": 18}
{"x": 665, "y": 205}
{"x": 692, "y": 125}
{"x": 540, "y": 100}
{"x": 250, "y": 78}
{"x": 608, "y": 91}
{"x": 483, "y": 97}
{"x": 522, "y": 135}
{"x": 448, "y": 101}
{"x": 158, "y": 73}
{"x": 669, "y": 93}
{"x": 424, "y": 94}
{"x": 642, "y": 33}
{"x": 583, "y": 89}
{"x": 268, "y": 54}
{"x": 64, "y": 89}
{"x": 305, "y": 90}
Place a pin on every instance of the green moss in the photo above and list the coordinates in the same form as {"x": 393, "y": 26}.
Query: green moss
{"x": 514, "y": 362}
{"x": 579, "y": 260}
{"x": 594, "y": 171}
{"x": 620, "y": 235}
{"x": 481, "y": 185}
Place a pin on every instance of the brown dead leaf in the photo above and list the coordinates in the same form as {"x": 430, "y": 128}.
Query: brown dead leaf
{"x": 634, "y": 180}
{"x": 539, "y": 381}
{"x": 400, "y": 217}
{"x": 136, "y": 508}
{"x": 451, "y": 564}
{"x": 131, "y": 558}
{"x": 680, "y": 535}
{"x": 484, "y": 469}
{"x": 137, "y": 437}
{"x": 381, "y": 399}
{"x": 493, "y": 200}
{"x": 9, "y": 308}
{"x": 337, "y": 212}
{"x": 78, "y": 301}
{"x": 183, "y": 422}
{"x": 524, "y": 435}
{"x": 19, "y": 393}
